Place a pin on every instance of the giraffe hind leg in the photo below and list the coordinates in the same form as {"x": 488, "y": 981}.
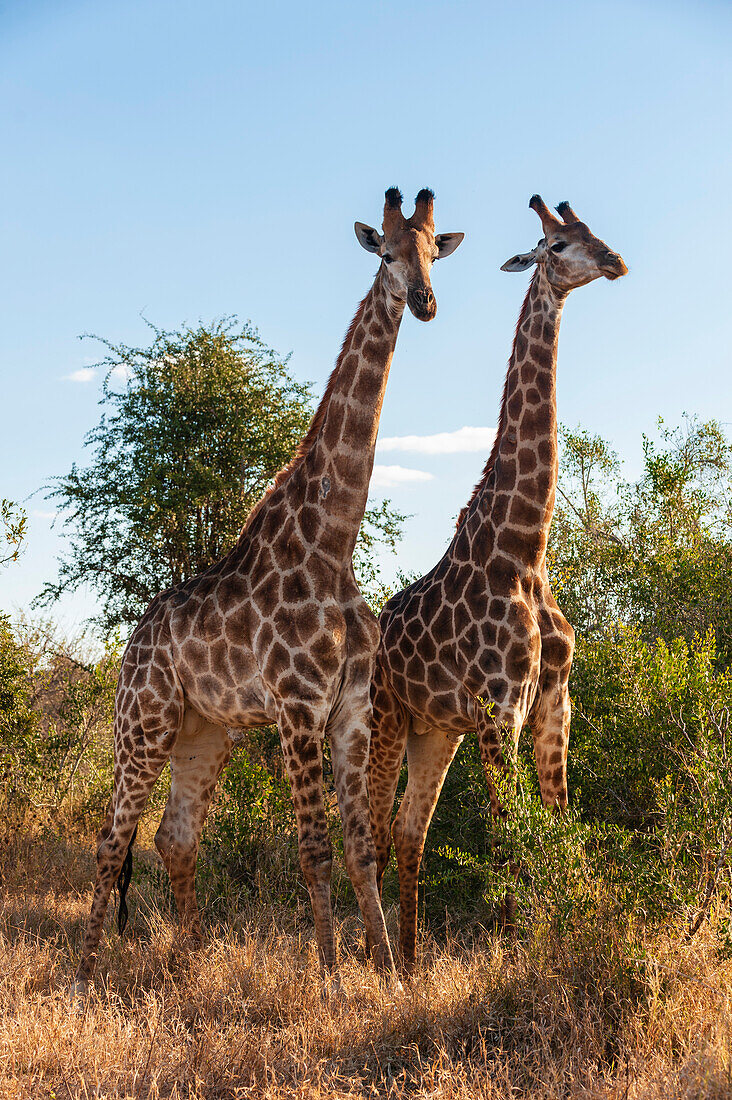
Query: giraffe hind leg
{"x": 123, "y": 885}
{"x": 125, "y": 875}
{"x": 549, "y": 722}
{"x": 130, "y": 799}
{"x": 389, "y": 729}
{"x": 498, "y": 732}
{"x": 144, "y": 737}
{"x": 198, "y": 758}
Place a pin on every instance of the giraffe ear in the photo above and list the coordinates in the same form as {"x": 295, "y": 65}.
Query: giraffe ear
{"x": 522, "y": 262}
{"x": 447, "y": 243}
{"x": 368, "y": 238}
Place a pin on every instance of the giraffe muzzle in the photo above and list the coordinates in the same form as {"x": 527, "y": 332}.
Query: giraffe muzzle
{"x": 613, "y": 266}
{"x": 422, "y": 304}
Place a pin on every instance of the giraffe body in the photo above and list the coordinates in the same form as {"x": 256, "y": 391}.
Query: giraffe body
{"x": 479, "y": 643}
{"x": 277, "y": 631}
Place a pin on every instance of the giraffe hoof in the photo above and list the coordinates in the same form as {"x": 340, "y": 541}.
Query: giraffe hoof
{"x": 408, "y": 976}
{"x": 333, "y": 988}
{"x": 78, "y": 994}
{"x": 389, "y": 980}
{"x": 192, "y": 939}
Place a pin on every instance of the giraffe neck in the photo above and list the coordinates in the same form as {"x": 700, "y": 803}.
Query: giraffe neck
{"x": 338, "y": 464}
{"x": 519, "y": 485}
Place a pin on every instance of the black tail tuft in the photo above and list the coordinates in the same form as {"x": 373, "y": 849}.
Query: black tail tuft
{"x": 122, "y": 885}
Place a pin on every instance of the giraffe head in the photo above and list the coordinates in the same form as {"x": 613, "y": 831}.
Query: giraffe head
{"x": 569, "y": 253}
{"x": 408, "y": 247}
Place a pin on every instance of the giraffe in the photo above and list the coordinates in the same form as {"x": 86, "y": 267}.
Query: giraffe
{"x": 482, "y": 627}
{"x": 276, "y": 632}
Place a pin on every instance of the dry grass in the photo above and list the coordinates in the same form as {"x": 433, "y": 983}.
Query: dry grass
{"x": 246, "y": 1017}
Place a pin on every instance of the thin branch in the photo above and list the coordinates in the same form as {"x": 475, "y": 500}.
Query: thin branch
{"x": 711, "y": 885}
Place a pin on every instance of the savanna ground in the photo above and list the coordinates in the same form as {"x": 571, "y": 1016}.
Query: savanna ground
{"x": 609, "y": 1013}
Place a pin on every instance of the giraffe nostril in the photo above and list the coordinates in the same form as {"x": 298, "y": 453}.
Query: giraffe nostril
{"x": 422, "y": 303}
{"x": 612, "y": 265}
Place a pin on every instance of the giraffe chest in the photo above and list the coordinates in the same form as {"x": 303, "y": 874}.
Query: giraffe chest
{"x": 456, "y": 643}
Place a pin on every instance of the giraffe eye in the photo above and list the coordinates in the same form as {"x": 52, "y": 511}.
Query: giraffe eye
{"x": 559, "y": 246}
{"x": 388, "y": 257}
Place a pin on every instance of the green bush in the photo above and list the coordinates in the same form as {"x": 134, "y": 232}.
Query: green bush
{"x": 56, "y": 708}
{"x": 650, "y": 818}
{"x": 19, "y": 722}
{"x": 249, "y": 842}
{"x": 640, "y": 714}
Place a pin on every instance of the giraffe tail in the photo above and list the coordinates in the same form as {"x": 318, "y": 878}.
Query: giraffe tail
{"x": 122, "y": 885}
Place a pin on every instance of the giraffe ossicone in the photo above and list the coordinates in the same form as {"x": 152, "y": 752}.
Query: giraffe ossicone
{"x": 479, "y": 643}
{"x": 276, "y": 632}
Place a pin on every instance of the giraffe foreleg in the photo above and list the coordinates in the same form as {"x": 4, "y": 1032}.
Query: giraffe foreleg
{"x": 350, "y": 734}
{"x": 429, "y": 756}
{"x": 199, "y": 756}
{"x": 302, "y": 747}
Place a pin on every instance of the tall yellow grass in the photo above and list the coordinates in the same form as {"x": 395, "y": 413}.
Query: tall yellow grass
{"x": 605, "y": 1016}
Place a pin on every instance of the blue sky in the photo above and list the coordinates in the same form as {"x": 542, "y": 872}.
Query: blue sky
{"x": 194, "y": 160}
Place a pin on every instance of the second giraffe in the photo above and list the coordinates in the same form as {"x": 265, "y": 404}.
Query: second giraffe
{"x": 479, "y": 642}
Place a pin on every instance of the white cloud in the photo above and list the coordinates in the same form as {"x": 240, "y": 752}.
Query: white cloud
{"x": 442, "y": 443}
{"x": 387, "y": 477}
{"x": 121, "y": 373}
{"x": 39, "y": 514}
{"x": 83, "y": 374}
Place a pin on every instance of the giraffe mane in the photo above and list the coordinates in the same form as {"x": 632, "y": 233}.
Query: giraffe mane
{"x": 488, "y": 468}
{"x": 316, "y": 423}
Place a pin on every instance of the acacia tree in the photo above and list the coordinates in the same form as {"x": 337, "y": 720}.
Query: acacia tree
{"x": 194, "y": 428}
